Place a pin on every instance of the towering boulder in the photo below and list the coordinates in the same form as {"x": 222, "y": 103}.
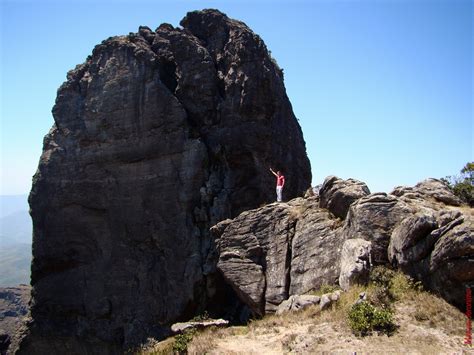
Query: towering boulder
{"x": 157, "y": 136}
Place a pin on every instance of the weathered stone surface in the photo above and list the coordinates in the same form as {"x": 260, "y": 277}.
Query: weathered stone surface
{"x": 279, "y": 250}
{"x": 411, "y": 240}
{"x": 438, "y": 250}
{"x": 429, "y": 188}
{"x": 355, "y": 262}
{"x": 373, "y": 218}
{"x": 316, "y": 248}
{"x": 337, "y": 195}
{"x": 325, "y": 301}
{"x": 297, "y": 303}
{"x": 158, "y": 136}
{"x": 182, "y": 326}
{"x": 13, "y": 311}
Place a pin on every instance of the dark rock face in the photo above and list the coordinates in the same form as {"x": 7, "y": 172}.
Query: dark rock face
{"x": 13, "y": 312}
{"x": 158, "y": 136}
{"x": 337, "y": 195}
{"x": 279, "y": 250}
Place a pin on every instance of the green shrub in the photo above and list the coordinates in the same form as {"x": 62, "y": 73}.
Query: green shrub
{"x": 365, "y": 318}
{"x": 182, "y": 340}
{"x": 382, "y": 276}
{"x": 389, "y": 286}
{"x": 403, "y": 284}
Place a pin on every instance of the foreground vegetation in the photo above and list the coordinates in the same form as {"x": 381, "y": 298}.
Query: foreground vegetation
{"x": 396, "y": 316}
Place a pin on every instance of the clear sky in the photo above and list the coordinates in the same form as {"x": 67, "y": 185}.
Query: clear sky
{"x": 383, "y": 89}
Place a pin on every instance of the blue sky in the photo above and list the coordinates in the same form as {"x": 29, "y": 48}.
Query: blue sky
{"x": 382, "y": 89}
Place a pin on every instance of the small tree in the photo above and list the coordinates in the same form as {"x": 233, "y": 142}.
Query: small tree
{"x": 463, "y": 184}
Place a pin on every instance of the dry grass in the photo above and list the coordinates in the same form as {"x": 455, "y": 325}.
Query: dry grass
{"x": 429, "y": 310}
{"x": 206, "y": 340}
{"x": 324, "y": 289}
{"x": 428, "y": 325}
{"x": 465, "y": 209}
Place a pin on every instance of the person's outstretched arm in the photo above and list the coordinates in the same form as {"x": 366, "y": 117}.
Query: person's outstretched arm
{"x": 274, "y": 173}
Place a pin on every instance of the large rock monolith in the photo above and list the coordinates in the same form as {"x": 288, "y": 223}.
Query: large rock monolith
{"x": 157, "y": 136}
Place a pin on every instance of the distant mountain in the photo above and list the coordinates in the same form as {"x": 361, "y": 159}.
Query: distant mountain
{"x": 15, "y": 240}
{"x": 16, "y": 228}
{"x": 13, "y": 203}
{"x": 15, "y": 264}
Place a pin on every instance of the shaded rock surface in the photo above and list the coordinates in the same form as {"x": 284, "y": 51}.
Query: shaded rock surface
{"x": 157, "y": 136}
{"x": 13, "y": 312}
{"x": 337, "y": 194}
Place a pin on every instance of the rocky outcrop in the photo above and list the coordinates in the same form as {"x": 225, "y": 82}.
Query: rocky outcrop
{"x": 13, "y": 312}
{"x": 279, "y": 250}
{"x": 157, "y": 136}
{"x": 337, "y": 195}
{"x": 429, "y": 188}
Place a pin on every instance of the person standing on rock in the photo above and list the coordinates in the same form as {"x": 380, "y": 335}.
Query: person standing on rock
{"x": 280, "y": 184}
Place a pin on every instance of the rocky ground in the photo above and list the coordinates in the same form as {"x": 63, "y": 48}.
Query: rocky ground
{"x": 13, "y": 310}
